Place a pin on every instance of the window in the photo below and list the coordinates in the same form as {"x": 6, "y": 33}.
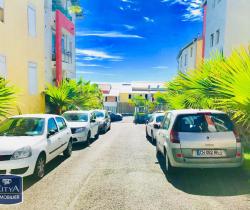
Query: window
{"x": 129, "y": 96}
{"x": 146, "y": 96}
{"x": 2, "y": 10}
{"x": 185, "y": 62}
{"x": 203, "y": 123}
{"x": 166, "y": 122}
{"x": 61, "y": 123}
{"x": 106, "y": 98}
{"x": 32, "y": 80}
{"x": 31, "y": 21}
{"x": 3, "y": 68}
{"x": 211, "y": 40}
{"x": 52, "y": 125}
{"x": 217, "y": 36}
{"x": 191, "y": 52}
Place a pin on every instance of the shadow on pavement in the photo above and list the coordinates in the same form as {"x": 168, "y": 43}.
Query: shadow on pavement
{"x": 211, "y": 182}
{"x": 53, "y": 164}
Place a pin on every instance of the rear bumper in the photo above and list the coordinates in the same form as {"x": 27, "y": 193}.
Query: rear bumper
{"x": 207, "y": 163}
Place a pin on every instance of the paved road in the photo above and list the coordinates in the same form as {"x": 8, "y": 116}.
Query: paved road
{"x": 120, "y": 171}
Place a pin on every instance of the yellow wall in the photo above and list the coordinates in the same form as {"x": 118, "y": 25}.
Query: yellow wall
{"x": 199, "y": 52}
{"x": 19, "y": 49}
{"x": 124, "y": 97}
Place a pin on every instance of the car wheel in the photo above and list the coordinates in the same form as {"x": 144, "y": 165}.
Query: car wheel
{"x": 68, "y": 151}
{"x": 169, "y": 169}
{"x": 89, "y": 138}
{"x": 147, "y": 136}
{"x": 40, "y": 167}
{"x": 158, "y": 154}
{"x": 152, "y": 137}
{"x": 97, "y": 135}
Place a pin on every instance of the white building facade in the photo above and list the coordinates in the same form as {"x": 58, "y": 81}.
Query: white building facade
{"x": 226, "y": 26}
{"x": 190, "y": 56}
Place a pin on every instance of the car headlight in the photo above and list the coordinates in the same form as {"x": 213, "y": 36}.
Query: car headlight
{"x": 79, "y": 130}
{"x": 24, "y": 152}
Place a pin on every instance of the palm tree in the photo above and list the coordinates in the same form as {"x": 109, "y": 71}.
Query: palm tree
{"x": 7, "y": 98}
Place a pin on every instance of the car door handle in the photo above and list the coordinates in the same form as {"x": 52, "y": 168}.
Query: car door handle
{"x": 59, "y": 138}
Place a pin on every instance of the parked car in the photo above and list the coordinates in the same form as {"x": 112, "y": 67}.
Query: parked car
{"x": 115, "y": 116}
{"x": 29, "y": 142}
{"x": 83, "y": 125}
{"x": 198, "y": 139}
{"x": 154, "y": 119}
{"x": 103, "y": 118}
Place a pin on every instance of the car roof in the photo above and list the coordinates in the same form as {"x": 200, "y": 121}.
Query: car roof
{"x": 77, "y": 111}
{"x": 194, "y": 111}
{"x": 46, "y": 116}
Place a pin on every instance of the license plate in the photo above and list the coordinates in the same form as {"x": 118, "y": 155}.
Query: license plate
{"x": 208, "y": 153}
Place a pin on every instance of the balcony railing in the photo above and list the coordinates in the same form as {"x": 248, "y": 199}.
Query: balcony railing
{"x": 57, "y": 6}
{"x": 66, "y": 56}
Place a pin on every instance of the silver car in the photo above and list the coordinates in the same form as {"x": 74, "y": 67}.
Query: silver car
{"x": 155, "y": 118}
{"x": 198, "y": 139}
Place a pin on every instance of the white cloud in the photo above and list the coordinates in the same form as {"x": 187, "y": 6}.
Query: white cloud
{"x": 94, "y": 72}
{"x": 128, "y": 1}
{"x": 96, "y": 55}
{"x": 160, "y": 67}
{"x": 80, "y": 64}
{"x": 85, "y": 72}
{"x": 109, "y": 34}
{"x": 129, "y": 27}
{"x": 148, "y": 20}
{"x": 193, "y": 9}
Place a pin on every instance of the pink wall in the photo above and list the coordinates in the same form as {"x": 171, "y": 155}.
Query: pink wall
{"x": 62, "y": 22}
{"x": 204, "y": 29}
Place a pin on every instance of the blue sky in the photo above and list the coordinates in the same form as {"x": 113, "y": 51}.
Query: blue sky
{"x": 134, "y": 40}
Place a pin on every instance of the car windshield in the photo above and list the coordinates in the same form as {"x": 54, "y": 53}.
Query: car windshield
{"x": 76, "y": 117}
{"x": 159, "y": 119}
{"x": 199, "y": 123}
{"x": 22, "y": 127}
{"x": 99, "y": 115}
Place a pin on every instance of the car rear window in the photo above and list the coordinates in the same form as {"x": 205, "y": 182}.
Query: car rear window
{"x": 198, "y": 123}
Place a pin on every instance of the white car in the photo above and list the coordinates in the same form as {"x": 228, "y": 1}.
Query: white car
{"x": 83, "y": 125}
{"x": 198, "y": 139}
{"x": 103, "y": 118}
{"x": 28, "y": 142}
{"x": 155, "y": 119}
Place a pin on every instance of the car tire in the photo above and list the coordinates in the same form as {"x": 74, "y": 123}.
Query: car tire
{"x": 152, "y": 137}
{"x": 39, "y": 171}
{"x": 89, "y": 138}
{"x": 97, "y": 135}
{"x": 168, "y": 168}
{"x": 158, "y": 153}
{"x": 147, "y": 136}
{"x": 68, "y": 151}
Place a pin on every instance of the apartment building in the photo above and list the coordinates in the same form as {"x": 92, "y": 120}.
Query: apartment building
{"x": 190, "y": 56}
{"x": 225, "y": 26}
{"x": 117, "y": 95}
{"x": 59, "y": 40}
{"x": 22, "y": 51}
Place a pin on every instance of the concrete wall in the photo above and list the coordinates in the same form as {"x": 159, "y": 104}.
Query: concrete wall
{"x": 237, "y": 25}
{"x": 193, "y": 54}
{"x": 216, "y": 19}
{"x": 231, "y": 17}
{"x": 19, "y": 48}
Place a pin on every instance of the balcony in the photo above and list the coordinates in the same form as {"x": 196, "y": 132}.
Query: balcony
{"x": 66, "y": 56}
{"x": 56, "y": 5}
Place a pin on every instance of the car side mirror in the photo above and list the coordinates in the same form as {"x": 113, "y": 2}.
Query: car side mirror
{"x": 157, "y": 126}
{"x": 51, "y": 133}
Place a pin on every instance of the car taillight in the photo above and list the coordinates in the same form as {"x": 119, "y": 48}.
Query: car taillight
{"x": 237, "y": 135}
{"x": 174, "y": 137}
